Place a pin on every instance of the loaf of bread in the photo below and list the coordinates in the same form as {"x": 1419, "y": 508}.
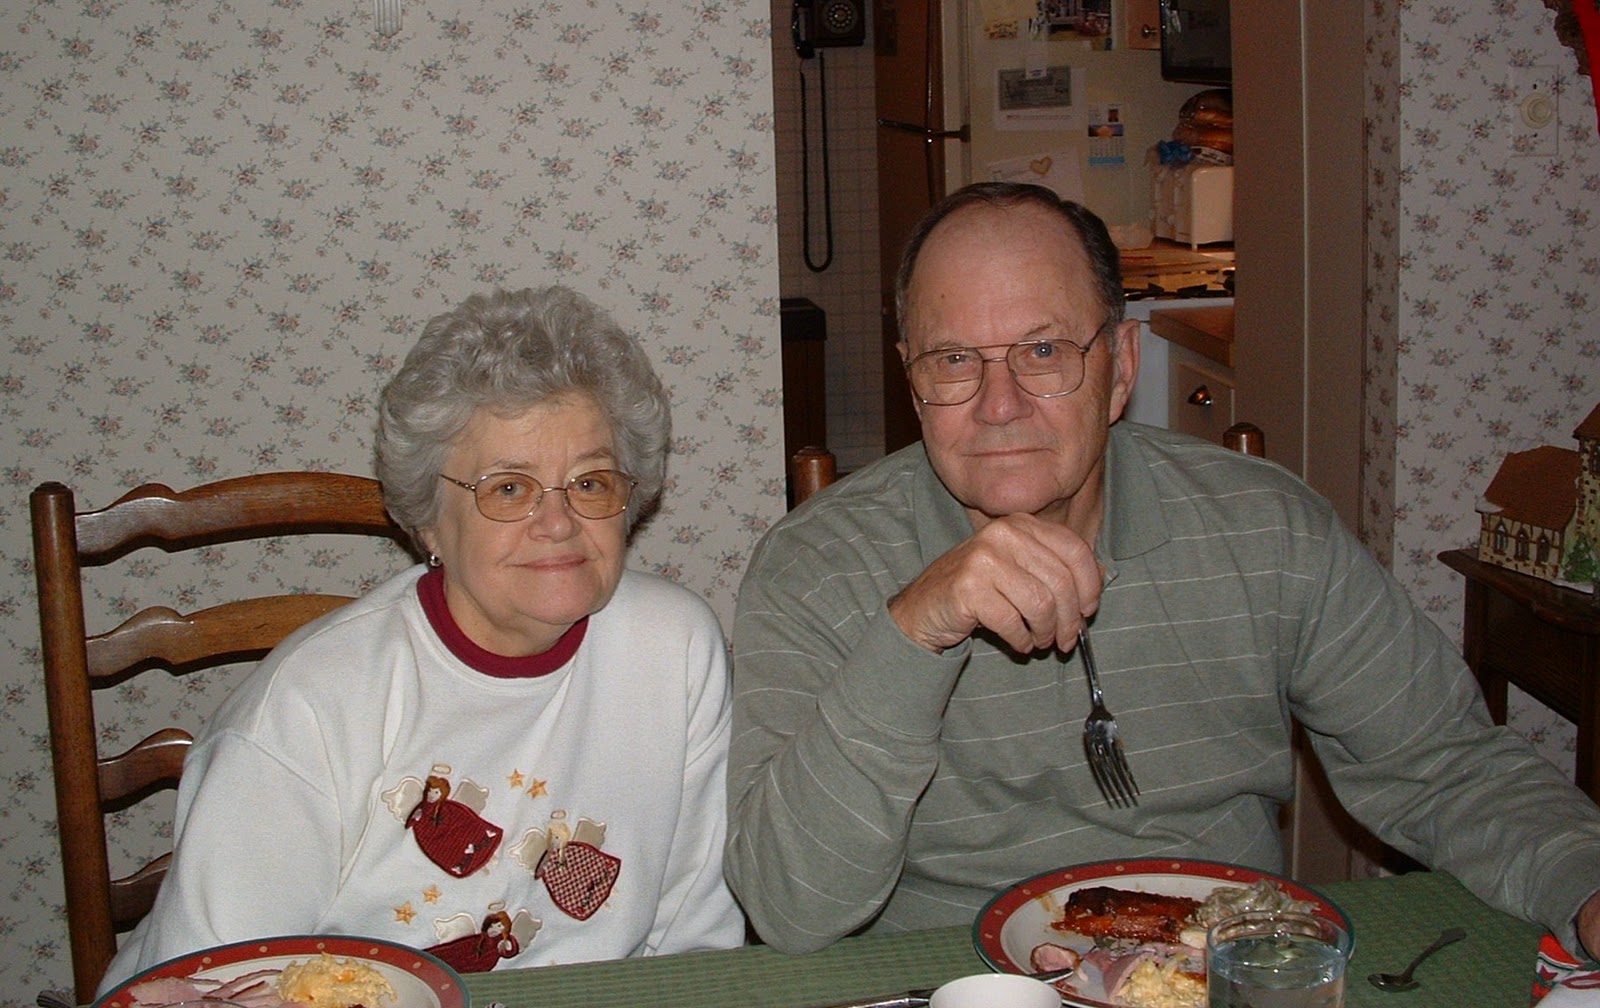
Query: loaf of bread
{"x": 1208, "y": 108}
{"x": 1218, "y": 138}
{"x": 1206, "y": 120}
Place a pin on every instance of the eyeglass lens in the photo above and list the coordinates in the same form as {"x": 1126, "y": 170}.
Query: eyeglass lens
{"x": 509, "y": 496}
{"x": 1042, "y": 368}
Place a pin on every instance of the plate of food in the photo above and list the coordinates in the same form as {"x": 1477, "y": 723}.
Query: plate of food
{"x": 325, "y": 971}
{"x": 1135, "y": 930}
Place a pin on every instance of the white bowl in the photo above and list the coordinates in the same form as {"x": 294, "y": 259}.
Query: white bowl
{"x": 995, "y": 990}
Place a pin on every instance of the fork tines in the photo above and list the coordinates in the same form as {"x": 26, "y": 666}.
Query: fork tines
{"x": 1100, "y": 743}
{"x": 1111, "y": 770}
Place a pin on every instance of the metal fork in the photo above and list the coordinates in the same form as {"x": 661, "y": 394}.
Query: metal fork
{"x": 1100, "y": 741}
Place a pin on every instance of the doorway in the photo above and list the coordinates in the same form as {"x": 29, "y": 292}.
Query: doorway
{"x": 907, "y": 67}
{"x": 846, "y": 292}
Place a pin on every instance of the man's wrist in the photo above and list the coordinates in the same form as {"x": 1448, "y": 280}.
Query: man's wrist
{"x": 1587, "y": 924}
{"x": 896, "y": 613}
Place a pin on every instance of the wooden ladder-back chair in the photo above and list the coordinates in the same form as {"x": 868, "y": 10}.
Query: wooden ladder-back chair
{"x": 76, "y": 664}
{"x": 810, "y": 469}
{"x": 1245, "y": 437}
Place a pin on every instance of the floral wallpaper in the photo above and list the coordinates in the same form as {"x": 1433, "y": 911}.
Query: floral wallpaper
{"x": 222, "y": 224}
{"x": 1485, "y": 283}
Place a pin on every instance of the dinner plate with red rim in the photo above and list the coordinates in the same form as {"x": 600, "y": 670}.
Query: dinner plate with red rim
{"x": 419, "y": 979}
{"x": 1016, "y": 921}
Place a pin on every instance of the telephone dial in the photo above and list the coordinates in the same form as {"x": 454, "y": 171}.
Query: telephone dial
{"x": 819, "y": 23}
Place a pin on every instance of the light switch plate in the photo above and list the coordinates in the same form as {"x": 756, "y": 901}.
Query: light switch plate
{"x": 1532, "y": 112}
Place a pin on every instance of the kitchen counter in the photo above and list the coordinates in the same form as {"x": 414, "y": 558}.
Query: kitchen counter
{"x": 1170, "y": 266}
{"x": 1150, "y": 393}
{"x": 1207, "y": 330}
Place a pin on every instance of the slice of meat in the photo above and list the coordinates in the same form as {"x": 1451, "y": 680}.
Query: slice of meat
{"x": 255, "y": 989}
{"x": 260, "y": 994}
{"x": 1115, "y": 973}
{"x": 1104, "y": 912}
{"x": 1050, "y": 956}
{"x": 246, "y": 984}
{"x": 1117, "y": 966}
{"x": 165, "y": 991}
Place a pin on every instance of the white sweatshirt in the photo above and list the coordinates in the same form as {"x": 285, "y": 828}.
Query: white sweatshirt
{"x": 295, "y": 814}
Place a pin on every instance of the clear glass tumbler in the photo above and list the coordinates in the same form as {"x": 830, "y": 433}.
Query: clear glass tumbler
{"x": 1276, "y": 959}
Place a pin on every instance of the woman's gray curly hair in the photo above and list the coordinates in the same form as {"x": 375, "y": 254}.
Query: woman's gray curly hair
{"x": 505, "y": 352}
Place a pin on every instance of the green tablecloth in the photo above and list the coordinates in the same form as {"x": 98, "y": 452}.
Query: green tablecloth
{"x": 1393, "y": 917}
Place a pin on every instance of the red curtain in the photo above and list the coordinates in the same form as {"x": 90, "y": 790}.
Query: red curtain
{"x": 1588, "y": 12}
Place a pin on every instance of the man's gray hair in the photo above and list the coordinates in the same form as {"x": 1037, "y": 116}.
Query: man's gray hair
{"x": 1105, "y": 263}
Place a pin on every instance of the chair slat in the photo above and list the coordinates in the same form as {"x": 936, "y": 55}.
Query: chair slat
{"x": 248, "y": 627}
{"x": 132, "y": 896}
{"x": 247, "y": 507}
{"x": 157, "y": 760}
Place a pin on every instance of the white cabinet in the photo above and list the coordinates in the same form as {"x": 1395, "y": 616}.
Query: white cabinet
{"x": 1151, "y": 390}
{"x": 1199, "y": 395}
{"x": 1199, "y": 380}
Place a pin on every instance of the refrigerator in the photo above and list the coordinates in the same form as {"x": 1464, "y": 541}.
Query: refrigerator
{"x": 981, "y": 90}
{"x": 1048, "y": 92}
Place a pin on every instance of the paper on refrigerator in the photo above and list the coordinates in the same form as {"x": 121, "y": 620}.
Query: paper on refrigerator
{"x": 1056, "y": 169}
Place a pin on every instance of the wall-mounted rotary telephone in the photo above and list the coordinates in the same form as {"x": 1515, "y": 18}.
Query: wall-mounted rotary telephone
{"x": 816, "y": 24}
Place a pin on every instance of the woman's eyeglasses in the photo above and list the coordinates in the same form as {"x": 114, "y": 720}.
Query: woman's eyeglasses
{"x": 513, "y": 496}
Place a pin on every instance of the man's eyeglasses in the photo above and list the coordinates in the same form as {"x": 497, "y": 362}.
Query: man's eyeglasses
{"x": 1044, "y": 369}
{"x": 513, "y": 496}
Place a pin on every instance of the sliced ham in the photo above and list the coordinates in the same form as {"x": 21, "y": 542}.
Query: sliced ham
{"x": 1114, "y": 975}
{"x": 167, "y": 990}
{"x": 245, "y": 984}
{"x": 1050, "y": 956}
{"x": 256, "y": 989}
{"x": 1115, "y": 965}
{"x": 262, "y": 994}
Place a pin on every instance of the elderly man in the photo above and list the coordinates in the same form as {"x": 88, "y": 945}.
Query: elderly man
{"x": 908, "y": 697}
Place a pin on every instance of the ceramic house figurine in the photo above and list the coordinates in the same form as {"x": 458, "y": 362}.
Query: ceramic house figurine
{"x": 1541, "y": 513}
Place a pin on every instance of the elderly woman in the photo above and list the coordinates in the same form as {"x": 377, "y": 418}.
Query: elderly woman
{"x": 514, "y": 754}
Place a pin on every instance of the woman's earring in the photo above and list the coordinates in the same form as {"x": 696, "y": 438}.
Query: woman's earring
{"x": 434, "y": 561}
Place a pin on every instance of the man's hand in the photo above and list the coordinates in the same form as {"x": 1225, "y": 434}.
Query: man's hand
{"x": 1589, "y": 926}
{"x": 1030, "y": 581}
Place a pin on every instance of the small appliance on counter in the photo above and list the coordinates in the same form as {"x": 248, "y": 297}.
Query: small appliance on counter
{"x": 1191, "y": 192}
{"x": 1193, "y": 203}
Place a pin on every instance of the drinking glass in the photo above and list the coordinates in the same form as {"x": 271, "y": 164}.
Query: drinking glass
{"x": 1276, "y": 959}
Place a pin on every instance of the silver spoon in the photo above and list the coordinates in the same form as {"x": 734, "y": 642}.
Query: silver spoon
{"x": 1402, "y": 981}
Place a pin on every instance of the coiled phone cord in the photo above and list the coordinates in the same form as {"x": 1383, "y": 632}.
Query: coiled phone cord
{"x": 805, "y": 170}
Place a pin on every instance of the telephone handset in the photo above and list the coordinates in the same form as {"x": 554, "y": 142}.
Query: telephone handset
{"x": 815, "y": 24}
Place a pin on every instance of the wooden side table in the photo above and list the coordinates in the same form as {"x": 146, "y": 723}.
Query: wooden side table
{"x": 1540, "y": 636}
